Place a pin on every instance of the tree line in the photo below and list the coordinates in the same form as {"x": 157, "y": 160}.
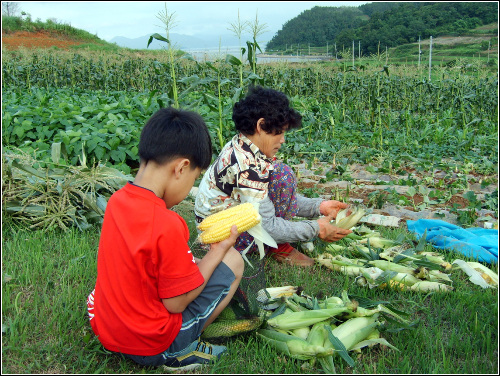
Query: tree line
{"x": 382, "y": 23}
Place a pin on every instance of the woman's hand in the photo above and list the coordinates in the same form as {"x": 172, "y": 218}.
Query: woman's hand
{"x": 332, "y": 207}
{"x": 329, "y": 232}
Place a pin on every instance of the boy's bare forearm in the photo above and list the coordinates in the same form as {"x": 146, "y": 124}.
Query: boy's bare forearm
{"x": 207, "y": 266}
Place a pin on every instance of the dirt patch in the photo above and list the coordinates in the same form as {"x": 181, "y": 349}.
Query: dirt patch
{"x": 360, "y": 194}
{"x": 41, "y": 39}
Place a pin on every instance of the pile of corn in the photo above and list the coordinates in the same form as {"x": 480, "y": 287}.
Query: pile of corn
{"x": 385, "y": 263}
{"x": 323, "y": 331}
{"x": 46, "y": 194}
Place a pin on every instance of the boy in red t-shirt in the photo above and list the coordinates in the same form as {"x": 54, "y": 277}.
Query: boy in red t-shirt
{"x": 152, "y": 298}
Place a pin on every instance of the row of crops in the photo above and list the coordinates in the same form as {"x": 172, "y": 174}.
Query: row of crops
{"x": 96, "y": 105}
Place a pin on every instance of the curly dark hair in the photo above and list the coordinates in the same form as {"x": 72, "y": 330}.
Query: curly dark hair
{"x": 271, "y": 105}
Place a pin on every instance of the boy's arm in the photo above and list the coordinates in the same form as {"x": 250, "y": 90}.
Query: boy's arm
{"x": 207, "y": 265}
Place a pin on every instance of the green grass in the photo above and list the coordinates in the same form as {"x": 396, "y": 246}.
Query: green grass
{"x": 48, "y": 275}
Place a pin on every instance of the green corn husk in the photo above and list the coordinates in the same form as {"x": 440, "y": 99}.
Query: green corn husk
{"x": 348, "y": 221}
{"x": 302, "y": 333}
{"x": 378, "y": 242}
{"x": 431, "y": 286}
{"x": 301, "y": 319}
{"x": 291, "y": 345}
{"x": 355, "y": 330}
{"x": 392, "y": 266}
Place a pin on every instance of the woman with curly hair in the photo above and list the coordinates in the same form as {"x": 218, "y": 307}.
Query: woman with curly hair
{"x": 246, "y": 170}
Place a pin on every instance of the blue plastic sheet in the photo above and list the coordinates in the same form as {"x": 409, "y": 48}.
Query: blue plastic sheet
{"x": 477, "y": 243}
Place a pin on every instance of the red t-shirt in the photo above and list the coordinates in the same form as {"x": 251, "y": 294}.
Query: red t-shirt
{"x": 143, "y": 257}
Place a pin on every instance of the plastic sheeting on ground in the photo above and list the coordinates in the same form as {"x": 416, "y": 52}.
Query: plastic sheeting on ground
{"x": 477, "y": 243}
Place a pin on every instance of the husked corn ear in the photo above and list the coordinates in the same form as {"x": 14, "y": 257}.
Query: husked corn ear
{"x": 223, "y": 215}
{"x": 219, "y": 231}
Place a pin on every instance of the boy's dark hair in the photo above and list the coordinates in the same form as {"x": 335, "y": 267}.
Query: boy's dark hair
{"x": 171, "y": 133}
{"x": 271, "y": 105}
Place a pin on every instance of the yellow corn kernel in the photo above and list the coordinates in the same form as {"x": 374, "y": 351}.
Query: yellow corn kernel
{"x": 223, "y": 215}
{"x": 393, "y": 285}
{"x": 219, "y": 231}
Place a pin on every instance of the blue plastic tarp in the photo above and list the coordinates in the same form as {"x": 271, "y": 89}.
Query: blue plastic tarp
{"x": 477, "y": 243}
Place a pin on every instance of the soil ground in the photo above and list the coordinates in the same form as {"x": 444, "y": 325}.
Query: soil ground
{"x": 40, "y": 39}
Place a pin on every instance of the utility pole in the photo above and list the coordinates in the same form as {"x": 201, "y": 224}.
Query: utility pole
{"x": 430, "y": 59}
{"x": 419, "y": 51}
{"x": 353, "y": 54}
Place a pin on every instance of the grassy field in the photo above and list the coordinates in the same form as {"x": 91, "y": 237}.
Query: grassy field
{"x": 47, "y": 276}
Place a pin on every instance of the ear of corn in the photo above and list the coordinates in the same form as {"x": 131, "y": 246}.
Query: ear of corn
{"x": 488, "y": 275}
{"x": 378, "y": 242}
{"x": 430, "y": 286}
{"x": 291, "y": 345}
{"x": 355, "y": 330}
{"x": 227, "y": 314}
{"x": 348, "y": 221}
{"x": 244, "y": 219}
{"x": 388, "y": 265}
{"x": 273, "y": 293}
{"x": 223, "y": 215}
{"x": 317, "y": 334}
{"x": 302, "y": 333}
{"x": 229, "y": 328}
{"x": 300, "y": 319}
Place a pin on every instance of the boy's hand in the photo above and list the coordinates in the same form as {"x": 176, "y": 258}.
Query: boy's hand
{"x": 227, "y": 243}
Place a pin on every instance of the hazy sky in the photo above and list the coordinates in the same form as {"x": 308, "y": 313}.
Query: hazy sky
{"x": 133, "y": 19}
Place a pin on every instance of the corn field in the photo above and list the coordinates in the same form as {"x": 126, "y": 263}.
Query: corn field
{"x": 97, "y": 103}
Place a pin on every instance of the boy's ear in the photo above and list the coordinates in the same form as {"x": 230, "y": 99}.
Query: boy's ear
{"x": 181, "y": 165}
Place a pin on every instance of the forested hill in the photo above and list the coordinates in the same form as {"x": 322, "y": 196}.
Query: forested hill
{"x": 388, "y": 23}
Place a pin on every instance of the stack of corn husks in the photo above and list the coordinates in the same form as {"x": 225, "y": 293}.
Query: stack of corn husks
{"x": 47, "y": 194}
{"x": 322, "y": 332}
